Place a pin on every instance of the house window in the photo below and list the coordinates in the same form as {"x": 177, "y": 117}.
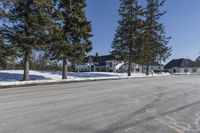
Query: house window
{"x": 194, "y": 70}
{"x": 110, "y": 64}
{"x": 174, "y": 70}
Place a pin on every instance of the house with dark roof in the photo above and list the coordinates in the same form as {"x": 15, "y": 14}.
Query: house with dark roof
{"x": 106, "y": 63}
{"x": 183, "y": 66}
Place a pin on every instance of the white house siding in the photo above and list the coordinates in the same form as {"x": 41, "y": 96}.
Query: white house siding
{"x": 134, "y": 68}
{"x": 184, "y": 70}
{"x": 157, "y": 68}
{"x": 118, "y": 66}
{"x": 111, "y": 66}
{"x": 198, "y": 70}
{"x": 88, "y": 68}
{"x": 100, "y": 68}
{"x": 83, "y": 68}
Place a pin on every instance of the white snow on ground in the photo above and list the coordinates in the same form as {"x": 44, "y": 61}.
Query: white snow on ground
{"x": 14, "y": 77}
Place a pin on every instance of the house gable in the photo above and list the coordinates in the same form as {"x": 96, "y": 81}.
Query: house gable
{"x": 181, "y": 63}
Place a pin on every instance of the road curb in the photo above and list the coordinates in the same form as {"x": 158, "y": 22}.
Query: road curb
{"x": 54, "y": 82}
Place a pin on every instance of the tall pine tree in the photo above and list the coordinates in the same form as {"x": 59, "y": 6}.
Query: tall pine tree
{"x": 71, "y": 40}
{"x": 7, "y": 55}
{"x": 26, "y": 24}
{"x": 125, "y": 43}
{"x": 2, "y": 53}
{"x": 155, "y": 42}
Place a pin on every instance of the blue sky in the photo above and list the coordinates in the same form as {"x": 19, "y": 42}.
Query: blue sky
{"x": 182, "y": 23}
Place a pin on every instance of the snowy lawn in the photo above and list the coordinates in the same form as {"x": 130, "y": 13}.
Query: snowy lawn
{"x": 14, "y": 77}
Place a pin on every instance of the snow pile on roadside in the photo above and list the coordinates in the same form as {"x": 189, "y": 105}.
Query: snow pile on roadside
{"x": 14, "y": 77}
{"x": 181, "y": 73}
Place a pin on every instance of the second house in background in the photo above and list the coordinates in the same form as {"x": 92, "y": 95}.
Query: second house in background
{"x": 183, "y": 66}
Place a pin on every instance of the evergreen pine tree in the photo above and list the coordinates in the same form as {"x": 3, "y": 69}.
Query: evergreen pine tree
{"x": 2, "y": 53}
{"x": 7, "y": 55}
{"x": 125, "y": 43}
{"x": 71, "y": 35}
{"x": 26, "y": 24}
{"x": 154, "y": 39}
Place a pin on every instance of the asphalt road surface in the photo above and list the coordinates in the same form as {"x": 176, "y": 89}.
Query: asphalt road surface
{"x": 148, "y": 105}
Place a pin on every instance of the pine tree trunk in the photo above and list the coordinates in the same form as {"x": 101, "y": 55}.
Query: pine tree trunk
{"x": 147, "y": 71}
{"x": 142, "y": 68}
{"x": 64, "y": 72}
{"x": 130, "y": 45}
{"x": 129, "y": 66}
{"x": 26, "y": 66}
{"x": 160, "y": 67}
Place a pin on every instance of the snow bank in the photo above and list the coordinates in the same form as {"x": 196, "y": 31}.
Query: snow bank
{"x": 14, "y": 77}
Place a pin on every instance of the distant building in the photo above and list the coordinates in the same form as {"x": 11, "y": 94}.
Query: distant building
{"x": 154, "y": 67}
{"x": 106, "y": 63}
{"x": 135, "y": 68}
{"x": 183, "y": 66}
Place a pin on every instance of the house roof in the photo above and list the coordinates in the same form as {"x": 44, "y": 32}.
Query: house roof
{"x": 155, "y": 64}
{"x": 182, "y": 63}
{"x": 99, "y": 58}
{"x": 198, "y": 62}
